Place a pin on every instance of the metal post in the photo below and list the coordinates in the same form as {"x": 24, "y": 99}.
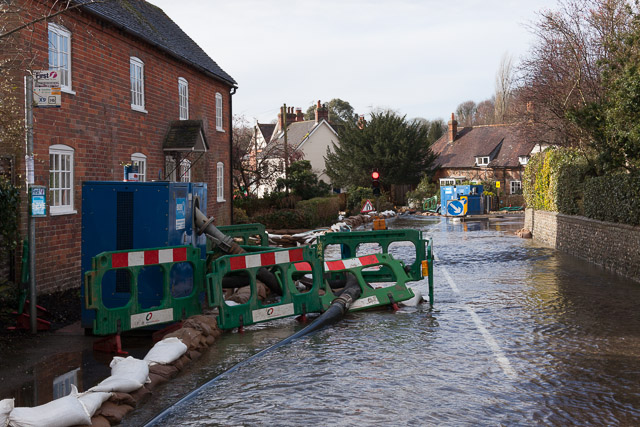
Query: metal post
{"x": 33, "y": 312}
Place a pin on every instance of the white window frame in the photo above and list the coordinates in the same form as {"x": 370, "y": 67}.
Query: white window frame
{"x": 61, "y": 179}
{"x": 220, "y": 182}
{"x": 482, "y": 160}
{"x": 170, "y": 168}
{"x": 140, "y": 160}
{"x": 183, "y": 95}
{"x": 444, "y": 182}
{"x": 219, "y": 121}
{"x": 137, "y": 84}
{"x": 523, "y": 160}
{"x": 513, "y": 184}
{"x": 185, "y": 170}
{"x": 60, "y": 54}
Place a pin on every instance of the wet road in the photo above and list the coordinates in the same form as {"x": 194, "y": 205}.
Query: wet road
{"x": 519, "y": 335}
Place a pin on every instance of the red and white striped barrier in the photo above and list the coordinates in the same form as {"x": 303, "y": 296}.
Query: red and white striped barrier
{"x": 156, "y": 256}
{"x": 341, "y": 264}
{"x": 264, "y": 259}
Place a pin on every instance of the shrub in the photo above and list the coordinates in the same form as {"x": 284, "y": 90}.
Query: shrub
{"x": 424, "y": 190}
{"x": 281, "y": 219}
{"x": 9, "y": 211}
{"x": 356, "y": 199}
{"x": 320, "y": 211}
{"x": 613, "y": 198}
{"x": 240, "y": 216}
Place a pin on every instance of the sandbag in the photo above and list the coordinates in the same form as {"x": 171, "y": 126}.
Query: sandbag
{"x": 122, "y": 384}
{"x": 167, "y": 371}
{"x": 130, "y": 368}
{"x": 189, "y": 336}
{"x": 199, "y": 326}
{"x": 114, "y": 413}
{"x": 140, "y": 394}
{"x": 6, "y": 406}
{"x": 63, "y": 412}
{"x": 203, "y": 318}
{"x": 156, "y": 380}
{"x": 123, "y": 398}
{"x": 182, "y": 362}
{"x": 241, "y": 296}
{"x": 99, "y": 421}
{"x": 92, "y": 401}
{"x": 166, "y": 351}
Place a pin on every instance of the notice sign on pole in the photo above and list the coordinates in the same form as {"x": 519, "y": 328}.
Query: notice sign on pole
{"x": 38, "y": 194}
{"x": 46, "y": 88}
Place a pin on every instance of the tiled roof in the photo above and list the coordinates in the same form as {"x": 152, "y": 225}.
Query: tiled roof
{"x": 267, "y": 130}
{"x": 185, "y": 135}
{"x": 151, "y": 24}
{"x": 504, "y": 142}
{"x": 297, "y": 132}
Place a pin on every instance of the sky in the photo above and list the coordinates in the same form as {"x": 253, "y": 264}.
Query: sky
{"x": 420, "y": 58}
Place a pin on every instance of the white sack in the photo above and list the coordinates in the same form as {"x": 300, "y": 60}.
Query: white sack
{"x": 63, "y": 412}
{"x": 6, "y": 406}
{"x": 92, "y": 401}
{"x": 166, "y": 351}
{"x": 120, "y": 384}
{"x": 130, "y": 368}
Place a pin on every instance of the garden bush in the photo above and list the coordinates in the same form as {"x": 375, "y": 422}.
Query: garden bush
{"x": 613, "y": 198}
{"x": 320, "y": 211}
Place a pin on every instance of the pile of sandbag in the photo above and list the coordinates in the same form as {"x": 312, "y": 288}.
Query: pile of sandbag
{"x": 130, "y": 382}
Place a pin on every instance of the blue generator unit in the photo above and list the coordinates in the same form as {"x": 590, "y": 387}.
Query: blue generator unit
{"x": 139, "y": 215}
{"x": 473, "y": 194}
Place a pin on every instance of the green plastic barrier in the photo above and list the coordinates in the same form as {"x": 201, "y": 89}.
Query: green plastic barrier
{"x": 431, "y": 204}
{"x": 370, "y": 297}
{"x": 246, "y": 231}
{"x": 280, "y": 262}
{"x": 111, "y": 320}
{"x": 351, "y": 240}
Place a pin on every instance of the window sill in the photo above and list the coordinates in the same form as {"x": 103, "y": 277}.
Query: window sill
{"x": 58, "y": 213}
{"x": 220, "y": 129}
{"x": 138, "y": 109}
{"x": 68, "y": 90}
{"x": 220, "y": 200}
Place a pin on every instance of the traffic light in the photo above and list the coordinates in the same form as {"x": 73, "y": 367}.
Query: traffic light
{"x": 375, "y": 184}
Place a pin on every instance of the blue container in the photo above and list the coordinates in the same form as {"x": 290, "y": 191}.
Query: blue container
{"x": 473, "y": 193}
{"x": 139, "y": 215}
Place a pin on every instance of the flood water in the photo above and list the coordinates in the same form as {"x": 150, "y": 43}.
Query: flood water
{"x": 520, "y": 335}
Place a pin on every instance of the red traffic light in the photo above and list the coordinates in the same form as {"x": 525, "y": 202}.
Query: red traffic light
{"x": 375, "y": 174}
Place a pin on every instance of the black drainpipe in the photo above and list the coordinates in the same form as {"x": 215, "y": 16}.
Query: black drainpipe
{"x": 231, "y": 93}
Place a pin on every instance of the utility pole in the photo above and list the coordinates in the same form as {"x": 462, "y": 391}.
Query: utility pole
{"x": 28, "y": 100}
{"x": 286, "y": 146}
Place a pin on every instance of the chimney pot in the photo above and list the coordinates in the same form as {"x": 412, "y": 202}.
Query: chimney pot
{"x": 453, "y": 128}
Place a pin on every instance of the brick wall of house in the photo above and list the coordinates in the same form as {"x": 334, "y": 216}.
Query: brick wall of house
{"x": 99, "y": 124}
{"x": 505, "y": 176}
{"x": 610, "y": 245}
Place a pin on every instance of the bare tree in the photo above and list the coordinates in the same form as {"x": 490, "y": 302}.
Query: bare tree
{"x": 563, "y": 70}
{"x": 504, "y": 87}
{"x": 466, "y": 113}
{"x": 486, "y": 112}
{"x": 256, "y": 163}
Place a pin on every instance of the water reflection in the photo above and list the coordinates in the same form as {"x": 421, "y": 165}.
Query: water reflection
{"x": 571, "y": 332}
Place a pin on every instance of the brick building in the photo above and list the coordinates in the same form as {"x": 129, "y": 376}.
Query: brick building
{"x": 495, "y": 153}
{"x": 135, "y": 90}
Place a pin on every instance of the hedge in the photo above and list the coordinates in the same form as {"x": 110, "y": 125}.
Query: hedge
{"x": 613, "y": 198}
{"x": 561, "y": 180}
{"x": 319, "y": 211}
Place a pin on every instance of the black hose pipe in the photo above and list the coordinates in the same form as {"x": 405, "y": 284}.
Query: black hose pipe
{"x": 335, "y": 312}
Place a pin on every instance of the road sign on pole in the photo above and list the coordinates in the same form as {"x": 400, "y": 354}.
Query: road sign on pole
{"x": 368, "y": 207}
{"x": 46, "y": 88}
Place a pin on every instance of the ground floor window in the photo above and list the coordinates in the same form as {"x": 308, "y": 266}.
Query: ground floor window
{"x": 447, "y": 181}
{"x": 220, "y": 182}
{"x": 140, "y": 160}
{"x": 516, "y": 187}
{"x": 61, "y": 179}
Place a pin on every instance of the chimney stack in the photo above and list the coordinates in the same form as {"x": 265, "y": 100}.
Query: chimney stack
{"x": 453, "y": 128}
{"x": 290, "y": 116}
{"x": 322, "y": 112}
{"x": 299, "y": 115}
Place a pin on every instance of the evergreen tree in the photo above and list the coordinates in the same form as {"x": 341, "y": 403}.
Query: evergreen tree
{"x": 399, "y": 149}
